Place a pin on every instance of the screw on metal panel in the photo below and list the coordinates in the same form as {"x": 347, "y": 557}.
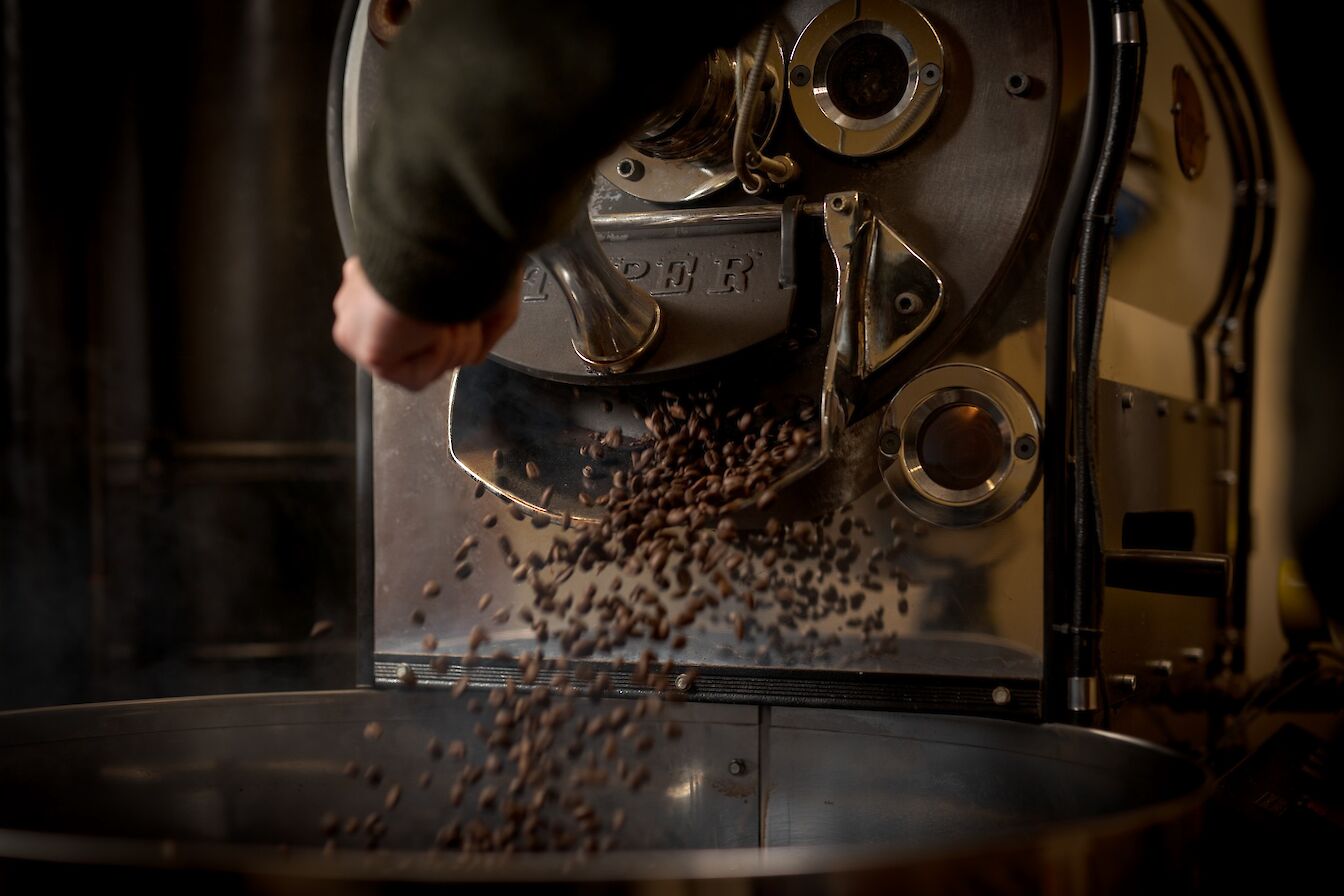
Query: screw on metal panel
{"x": 889, "y": 442}
{"x": 737, "y": 767}
{"x": 1025, "y": 447}
{"x": 1001, "y": 695}
{"x": 800, "y": 75}
{"x": 1126, "y": 400}
{"x": 1192, "y": 413}
{"x": 1017, "y": 84}
{"x": 909, "y": 303}
{"x": 1225, "y": 477}
{"x": 1192, "y": 654}
{"x": 1162, "y": 407}
{"x": 630, "y": 169}
{"x": 931, "y": 74}
{"x": 683, "y": 682}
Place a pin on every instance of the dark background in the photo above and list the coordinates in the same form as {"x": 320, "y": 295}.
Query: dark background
{"x": 177, "y": 427}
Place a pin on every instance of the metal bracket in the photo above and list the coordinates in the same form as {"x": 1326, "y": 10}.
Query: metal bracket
{"x": 887, "y": 296}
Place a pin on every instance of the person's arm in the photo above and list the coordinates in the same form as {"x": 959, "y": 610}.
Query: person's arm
{"x": 490, "y": 120}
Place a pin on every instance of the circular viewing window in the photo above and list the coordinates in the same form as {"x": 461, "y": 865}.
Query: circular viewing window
{"x": 855, "y": 76}
{"x": 867, "y": 76}
{"x": 960, "y": 447}
{"x": 947, "y": 445}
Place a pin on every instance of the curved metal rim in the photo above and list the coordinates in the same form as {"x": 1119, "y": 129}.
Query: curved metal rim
{"x": 811, "y": 101}
{"x": 939, "y": 387}
{"x": 631, "y": 360}
{"x": 633, "y": 866}
{"x": 336, "y": 174}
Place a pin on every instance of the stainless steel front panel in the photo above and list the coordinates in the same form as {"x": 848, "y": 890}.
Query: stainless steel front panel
{"x": 976, "y": 195}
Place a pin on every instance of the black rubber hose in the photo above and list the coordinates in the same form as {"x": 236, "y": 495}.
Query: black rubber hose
{"x": 1127, "y": 69}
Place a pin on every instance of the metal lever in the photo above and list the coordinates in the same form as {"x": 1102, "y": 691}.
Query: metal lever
{"x": 1170, "y": 572}
{"x": 616, "y": 324}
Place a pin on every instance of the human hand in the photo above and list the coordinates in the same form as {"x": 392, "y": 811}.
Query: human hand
{"x": 402, "y": 349}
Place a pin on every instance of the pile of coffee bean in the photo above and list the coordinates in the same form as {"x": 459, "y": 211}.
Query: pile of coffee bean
{"x": 665, "y": 563}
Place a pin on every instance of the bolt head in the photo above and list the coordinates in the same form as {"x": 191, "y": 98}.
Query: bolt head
{"x": 737, "y": 767}
{"x": 683, "y": 682}
{"x": 630, "y": 169}
{"x": 889, "y": 442}
{"x": 800, "y": 75}
{"x": 909, "y": 303}
{"x": 1001, "y": 695}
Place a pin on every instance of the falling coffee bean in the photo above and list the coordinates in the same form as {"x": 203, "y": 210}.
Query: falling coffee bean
{"x": 430, "y": 589}
{"x": 321, "y": 627}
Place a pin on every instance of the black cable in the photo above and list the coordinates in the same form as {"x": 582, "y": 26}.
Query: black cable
{"x": 1247, "y": 303}
{"x": 1127, "y": 68}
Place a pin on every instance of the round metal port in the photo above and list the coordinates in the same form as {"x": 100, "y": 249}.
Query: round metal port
{"x": 951, "y": 445}
{"x": 873, "y": 76}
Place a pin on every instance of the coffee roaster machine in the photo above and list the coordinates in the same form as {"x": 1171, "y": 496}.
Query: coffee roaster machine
{"x": 1011, "y": 254}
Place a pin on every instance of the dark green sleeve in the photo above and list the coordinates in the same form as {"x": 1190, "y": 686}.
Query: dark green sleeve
{"x": 491, "y": 117}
